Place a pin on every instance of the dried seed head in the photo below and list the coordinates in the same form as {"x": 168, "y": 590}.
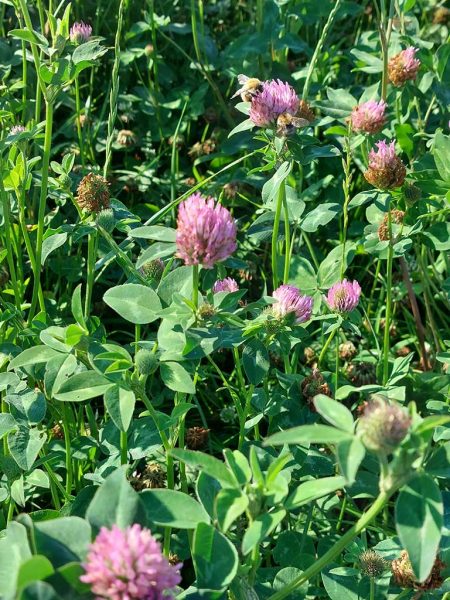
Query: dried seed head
{"x": 372, "y": 564}
{"x": 397, "y": 217}
{"x": 361, "y": 373}
{"x": 126, "y": 138}
{"x": 196, "y": 437}
{"x": 404, "y": 576}
{"x": 383, "y": 426}
{"x": 231, "y": 189}
{"x": 441, "y": 15}
{"x": 93, "y": 193}
{"x": 412, "y": 194}
{"x": 314, "y": 384}
{"x": 310, "y": 355}
{"x": 347, "y": 350}
{"x": 152, "y": 477}
{"x": 57, "y": 431}
{"x": 153, "y": 269}
{"x": 206, "y": 311}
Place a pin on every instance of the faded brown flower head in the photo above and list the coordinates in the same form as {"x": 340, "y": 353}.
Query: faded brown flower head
{"x": 372, "y": 564}
{"x": 314, "y": 384}
{"x": 126, "y": 138}
{"x": 441, "y": 15}
{"x": 152, "y": 477}
{"x": 57, "y": 431}
{"x": 404, "y": 576}
{"x": 397, "y": 217}
{"x": 383, "y": 426}
{"x": 93, "y": 193}
{"x": 393, "y": 331}
{"x": 305, "y": 111}
{"x": 231, "y": 189}
{"x": 202, "y": 148}
{"x": 386, "y": 170}
{"x": 403, "y": 351}
{"x": 196, "y": 437}
{"x": 206, "y": 311}
{"x": 347, "y": 350}
{"x": 403, "y": 67}
{"x": 83, "y": 120}
{"x": 361, "y": 373}
{"x": 173, "y": 559}
{"x": 309, "y": 355}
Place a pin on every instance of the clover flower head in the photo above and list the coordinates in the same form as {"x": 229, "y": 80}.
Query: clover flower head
{"x": 225, "y": 285}
{"x": 80, "y": 32}
{"x": 369, "y": 116}
{"x": 16, "y": 129}
{"x": 403, "y": 66}
{"x": 206, "y": 232}
{"x": 275, "y": 99}
{"x": 344, "y": 296}
{"x": 128, "y": 565}
{"x": 383, "y": 426}
{"x": 385, "y": 170}
{"x": 290, "y": 300}
{"x": 93, "y": 193}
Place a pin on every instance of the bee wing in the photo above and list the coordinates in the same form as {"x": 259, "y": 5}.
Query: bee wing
{"x": 242, "y": 79}
{"x": 299, "y": 122}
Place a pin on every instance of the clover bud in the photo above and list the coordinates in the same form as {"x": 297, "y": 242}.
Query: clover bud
{"x": 383, "y": 426}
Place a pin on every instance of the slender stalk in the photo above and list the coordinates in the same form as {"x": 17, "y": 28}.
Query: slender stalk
{"x": 372, "y": 589}
{"x": 114, "y": 91}
{"x": 90, "y": 276}
{"x": 195, "y": 278}
{"x": 346, "y": 187}
{"x": 319, "y": 47}
{"x": 276, "y": 227}
{"x": 325, "y": 347}
{"x": 42, "y": 205}
{"x": 9, "y": 250}
{"x": 390, "y": 260}
{"x": 287, "y": 241}
{"x": 68, "y": 448}
{"x": 335, "y": 550}
{"x": 123, "y": 448}
{"x": 78, "y": 118}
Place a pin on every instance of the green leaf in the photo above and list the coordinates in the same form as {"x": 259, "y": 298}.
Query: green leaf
{"x": 83, "y": 386}
{"x": 243, "y": 126}
{"x": 34, "y": 37}
{"x": 255, "y": 359}
{"x": 319, "y": 216}
{"x": 88, "y": 52}
{"x": 35, "y": 568}
{"x": 271, "y": 187}
{"x": 314, "y": 489}
{"x": 119, "y": 403}
{"x": 58, "y": 370}
{"x": 260, "y": 528}
{"x": 62, "y": 540}
{"x": 215, "y": 558}
{"x": 33, "y": 356}
{"x": 176, "y": 378}
{"x": 441, "y": 151}
{"x": 39, "y": 590}
{"x": 350, "y": 454}
{"x": 208, "y": 464}
{"x": 170, "y": 508}
{"x": 7, "y": 424}
{"x": 77, "y": 307}
{"x": 439, "y": 235}
{"x": 230, "y": 504}
{"x": 25, "y": 444}
{"x": 308, "y": 434}
{"x": 419, "y": 520}
{"x": 177, "y": 281}
{"x": 154, "y": 232}
{"x": 134, "y": 302}
{"x": 116, "y": 503}
{"x": 51, "y": 243}
{"x": 334, "y": 412}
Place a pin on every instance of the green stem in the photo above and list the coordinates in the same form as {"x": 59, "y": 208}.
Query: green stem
{"x": 68, "y": 448}
{"x": 42, "y": 205}
{"x": 325, "y": 347}
{"x": 335, "y": 550}
{"x": 90, "y": 275}
{"x": 318, "y": 48}
{"x": 195, "y": 278}
{"x": 287, "y": 242}
{"x": 276, "y": 227}
{"x": 372, "y": 589}
{"x": 123, "y": 448}
{"x": 9, "y": 250}
{"x": 390, "y": 260}
{"x": 78, "y": 118}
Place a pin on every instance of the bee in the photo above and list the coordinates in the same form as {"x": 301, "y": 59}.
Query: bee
{"x": 250, "y": 87}
{"x": 287, "y": 124}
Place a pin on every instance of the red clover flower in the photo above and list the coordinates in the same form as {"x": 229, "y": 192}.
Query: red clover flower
{"x": 291, "y": 301}
{"x": 129, "y": 565}
{"x": 344, "y": 296}
{"x": 385, "y": 170}
{"x": 206, "y": 232}
{"x": 368, "y": 117}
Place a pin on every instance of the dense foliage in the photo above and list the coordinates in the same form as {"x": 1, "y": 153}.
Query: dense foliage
{"x": 224, "y": 299}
